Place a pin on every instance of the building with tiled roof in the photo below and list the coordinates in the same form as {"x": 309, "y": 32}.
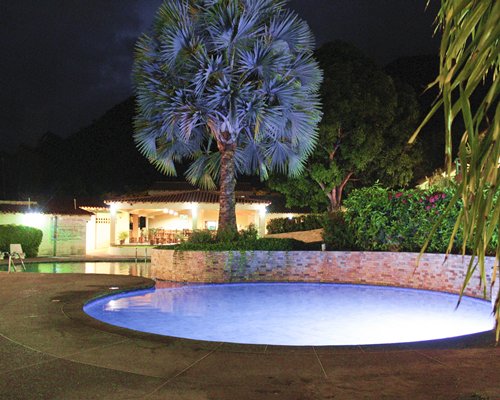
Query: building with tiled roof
{"x": 166, "y": 213}
{"x": 163, "y": 215}
{"x": 62, "y": 222}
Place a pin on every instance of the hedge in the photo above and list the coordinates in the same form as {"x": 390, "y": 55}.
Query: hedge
{"x": 245, "y": 240}
{"x": 29, "y": 238}
{"x": 263, "y": 244}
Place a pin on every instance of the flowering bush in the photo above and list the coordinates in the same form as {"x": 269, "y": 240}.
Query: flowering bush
{"x": 401, "y": 220}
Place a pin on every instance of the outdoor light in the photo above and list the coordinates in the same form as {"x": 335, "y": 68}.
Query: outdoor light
{"x": 112, "y": 208}
{"x": 34, "y": 219}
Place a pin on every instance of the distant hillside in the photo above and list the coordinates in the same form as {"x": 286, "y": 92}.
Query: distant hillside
{"x": 99, "y": 159}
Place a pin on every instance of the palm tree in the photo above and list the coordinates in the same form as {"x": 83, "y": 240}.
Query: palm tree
{"x": 230, "y": 85}
{"x": 470, "y": 90}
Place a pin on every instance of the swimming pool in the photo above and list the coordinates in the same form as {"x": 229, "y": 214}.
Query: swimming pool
{"x": 95, "y": 267}
{"x": 295, "y": 313}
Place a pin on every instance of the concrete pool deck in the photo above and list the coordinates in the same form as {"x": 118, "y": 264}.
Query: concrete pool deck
{"x": 50, "y": 349}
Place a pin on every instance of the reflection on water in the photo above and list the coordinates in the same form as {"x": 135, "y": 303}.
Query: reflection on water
{"x": 113, "y": 268}
{"x": 191, "y": 303}
{"x": 295, "y": 314}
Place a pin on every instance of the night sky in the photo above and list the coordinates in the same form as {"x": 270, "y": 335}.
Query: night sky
{"x": 64, "y": 63}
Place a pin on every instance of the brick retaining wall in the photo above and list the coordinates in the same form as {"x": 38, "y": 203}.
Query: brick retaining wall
{"x": 375, "y": 268}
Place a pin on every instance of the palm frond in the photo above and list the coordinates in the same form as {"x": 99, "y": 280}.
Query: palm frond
{"x": 202, "y": 172}
{"x": 145, "y": 140}
{"x": 258, "y": 60}
{"x": 174, "y": 40}
{"x": 287, "y": 27}
{"x": 221, "y": 21}
{"x": 279, "y": 92}
{"x": 469, "y": 59}
{"x": 250, "y": 155}
{"x": 247, "y": 28}
{"x": 171, "y": 13}
{"x": 278, "y": 154}
{"x": 210, "y": 67}
{"x": 306, "y": 70}
{"x": 264, "y": 7}
{"x": 296, "y": 164}
{"x": 219, "y": 95}
{"x": 165, "y": 165}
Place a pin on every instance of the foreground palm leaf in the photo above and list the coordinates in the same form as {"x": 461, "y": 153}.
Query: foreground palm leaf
{"x": 230, "y": 85}
{"x": 469, "y": 68}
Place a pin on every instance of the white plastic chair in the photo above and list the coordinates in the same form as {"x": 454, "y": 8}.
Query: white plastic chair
{"x": 16, "y": 252}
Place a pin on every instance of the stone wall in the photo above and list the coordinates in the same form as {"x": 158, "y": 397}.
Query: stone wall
{"x": 374, "y": 268}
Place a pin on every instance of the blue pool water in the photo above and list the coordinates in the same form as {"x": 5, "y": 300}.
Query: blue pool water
{"x": 295, "y": 313}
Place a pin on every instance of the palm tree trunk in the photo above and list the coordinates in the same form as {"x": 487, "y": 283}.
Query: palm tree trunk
{"x": 227, "y": 201}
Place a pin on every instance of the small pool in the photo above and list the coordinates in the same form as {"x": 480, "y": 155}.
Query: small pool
{"x": 96, "y": 267}
{"x": 295, "y": 313}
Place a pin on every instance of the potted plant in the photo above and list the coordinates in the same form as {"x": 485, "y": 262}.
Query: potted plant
{"x": 122, "y": 236}
{"x": 152, "y": 235}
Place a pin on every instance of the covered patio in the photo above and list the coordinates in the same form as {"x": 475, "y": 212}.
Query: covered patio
{"x": 169, "y": 217}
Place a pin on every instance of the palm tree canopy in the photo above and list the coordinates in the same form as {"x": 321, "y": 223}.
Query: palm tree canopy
{"x": 227, "y": 73}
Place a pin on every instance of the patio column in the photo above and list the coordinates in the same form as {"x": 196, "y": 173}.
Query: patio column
{"x": 262, "y": 220}
{"x": 194, "y": 216}
{"x": 112, "y": 225}
{"x": 135, "y": 227}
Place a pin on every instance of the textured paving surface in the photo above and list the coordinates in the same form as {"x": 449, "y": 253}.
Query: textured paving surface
{"x": 50, "y": 349}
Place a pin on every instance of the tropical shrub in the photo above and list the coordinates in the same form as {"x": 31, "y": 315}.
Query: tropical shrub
{"x": 337, "y": 234}
{"x": 29, "y": 238}
{"x": 201, "y": 236}
{"x": 295, "y": 224}
{"x": 380, "y": 219}
{"x": 251, "y": 233}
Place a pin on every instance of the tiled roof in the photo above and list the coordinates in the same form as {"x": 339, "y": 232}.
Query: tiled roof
{"x": 192, "y": 196}
{"x": 53, "y": 207}
{"x": 17, "y": 208}
{"x": 183, "y": 186}
{"x": 90, "y": 203}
